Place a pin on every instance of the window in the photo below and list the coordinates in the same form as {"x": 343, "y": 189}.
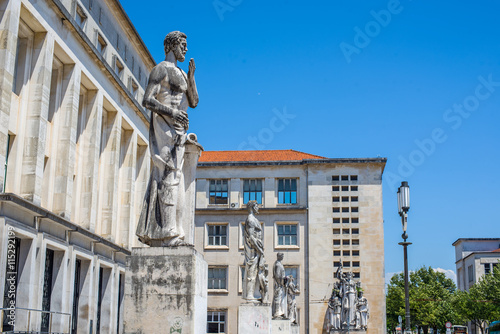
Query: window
{"x": 217, "y": 235}
{"x": 336, "y": 253}
{"x": 336, "y": 242}
{"x": 118, "y": 68}
{"x": 355, "y": 264}
{"x": 287, "y": 234}
{"x": 354, "y": 209}
{"x": 355, "y": 220}
{"x": 134, "y": 87}
{"x": 354, "y": 199}
{"x": 346, "y": 253}
{"x": 355, "y": 241}
{"x": 355, "y": 253}
{"x": 101, "y": 44}
{"x": 252, "y": 191}
{"x": 357, "y": 275}
{"x": 335, "y": 188}
{"x": 80, "y": 17}
{"x": 294, "y": 271}
{"x": 345, "y": 188}
{"x": 345, "y": 177}
{"x": 354, "y": 177}
{"x": 345, "y": 231}
{"x": 216, "y": 322}
{"x": 487, "y": 268}
{"x": 217, "y": 278}
{"x": 336, "y": 231}
{"x": 354, "y": 188}
{"x": 287, "y": 191}
{"x": 336, "y": 209}
{"x": 345, "y": 242}
{"x": 346, "y": 209}
{"x": 345, "y": 220}
{"x": 336, "y": 199}
{"x": 347, "y": 264}
{"x": 336, "y": 264}
{"x": 470, "y": 273}
{"x": 218, "y": 192}
{"x": 336, "y": 220}
{"x": 335, "y": 178}
{"x": 355, "y": 231}
{"x": 345, "y": 199}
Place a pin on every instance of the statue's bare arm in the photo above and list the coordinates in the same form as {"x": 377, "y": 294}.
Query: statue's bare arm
{"x": 158, "y": 74}
{"x": 192, "y": 92}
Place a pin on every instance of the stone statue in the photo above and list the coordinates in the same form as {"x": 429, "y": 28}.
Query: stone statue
{"x": 279, "y": 297}
{"x": 264, "y": 284}
{"x": 168, "y": 94}
{"x": 362, "y": 312}
{"x": 347, "y": 308}
{"x": 291, "y": 291}
{"x": 254, "y": 251}
{"x": 333, "y": 313}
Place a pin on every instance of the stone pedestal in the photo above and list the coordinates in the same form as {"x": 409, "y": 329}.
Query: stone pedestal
{"x": 165, "y": 291}
{"x": 254, "y": 319}
{"x": 284, "y": 326}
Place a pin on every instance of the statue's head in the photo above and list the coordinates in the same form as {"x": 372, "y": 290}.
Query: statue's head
{"x": 281, "y": 256}
{"x": 253, "y": 206}
{"x": 175, "y": 42}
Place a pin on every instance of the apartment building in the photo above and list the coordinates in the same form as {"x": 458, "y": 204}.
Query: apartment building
{"x": 319, "y": 212}
{"x": 74, "y": 161}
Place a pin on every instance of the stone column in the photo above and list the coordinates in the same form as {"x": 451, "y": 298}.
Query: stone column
{"x": 36, "y": 123}
{"x": 165, "y": 291}
{"x": 67, "y": 121}
{"x": 126, "y": 186}
{"x": 85, "y": 203}
{"x": 9, "y": 25}
{"x": 110, "y": 156}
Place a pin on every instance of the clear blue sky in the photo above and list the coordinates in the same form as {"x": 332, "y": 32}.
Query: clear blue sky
{"x": 350, "y": 96}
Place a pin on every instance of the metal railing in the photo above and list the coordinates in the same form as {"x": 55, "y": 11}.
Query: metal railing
{"x": 31, "y": 325}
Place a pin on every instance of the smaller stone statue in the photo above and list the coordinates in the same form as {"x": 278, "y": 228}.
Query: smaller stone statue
{"x": 362, "y": 312}
{"x": 254, "y": 251}
{"x": 279, "y": 297}
{"x": 291, "y": 291}
{"x": 264, "y": 284}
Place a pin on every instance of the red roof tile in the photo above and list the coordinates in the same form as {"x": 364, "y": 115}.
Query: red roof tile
{"x": 267, "y": 155}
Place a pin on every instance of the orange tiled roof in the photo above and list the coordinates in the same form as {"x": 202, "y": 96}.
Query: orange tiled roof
{"x": 496, "y": 251}
{"x": 267, "y": 155}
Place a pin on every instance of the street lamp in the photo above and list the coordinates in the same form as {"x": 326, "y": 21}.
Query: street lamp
{"x": 403, "y": 208}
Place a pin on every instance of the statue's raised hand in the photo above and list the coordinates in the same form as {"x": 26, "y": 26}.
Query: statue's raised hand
{"x": 192, "y": 68}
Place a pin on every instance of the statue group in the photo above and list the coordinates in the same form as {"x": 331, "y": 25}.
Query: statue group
{"x": 284, "y": 305}
{"x": 347, "y": 307}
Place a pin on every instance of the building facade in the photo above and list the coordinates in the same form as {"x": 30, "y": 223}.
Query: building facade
{"x": 74, "y": 161}
{"x": 319, "y": 212}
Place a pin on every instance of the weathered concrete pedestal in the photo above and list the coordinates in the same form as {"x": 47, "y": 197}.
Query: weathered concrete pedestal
{"x": 254, "y": 319}
{"x": 284, "y": 326}
{"x": 165, "y": 291}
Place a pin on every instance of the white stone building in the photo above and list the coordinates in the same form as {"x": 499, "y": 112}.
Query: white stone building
{"x": 475, "y": 257}
{"x": 319, "y": 212}
{"x": 74, "y": 161}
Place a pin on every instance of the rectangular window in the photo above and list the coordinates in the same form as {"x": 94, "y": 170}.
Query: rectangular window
{"x": 335, "y": 178}
{"x": 345, "y": 188}
{"x": 336, "y": 264}
{"x": 216, "y": 322}
{"x": 345, "y": 199}
{"x": 217, "y": 278}
{"x": 355, "y": 231}
{"x": 354, "y": 177}
{"x": 346, "y": 209}
{"x": 354, "y": 199}
{"x": 100, "y": 294}
{"x": 336, "y": 231}
{"x": 336, "y": 209}
{"x": 355, "y": 253}
{"x": 336, "y": 242}
{"x": 345, "y": 220}
{"x": 336, "y": 253}
{"x": 336, "y": 220}
{"x": 346, "y": 264}
{"x": 487, "y": 268}
{"x": 101, "y": 44}
{"x": 252, "y": 191}
{"x": 355, "y": 264}
{"x": 345, "y": 242}
{"x": 335, "y": 199}
{"x": 345, "y": 177}
{"x": 355, "y": 241}
{"x": 287, "y": 191}
{"x": 355, "y": 220}
{"x": 357, "y": 275}
{"x": 346, "y": 253}
{"x": 470, "y": 273}
{"x": 287, "y": 234}
{"x": 119, "y": 68}
{"x": 47, "y": 289}
{"x": 345, "y": 231}
{"x": 134, "y": 88}
{"x": 217, "y": 235}
{"x": 335, "y": 188}
{"x": 218, "y": 192}
{"x": 354, "y": 209}
{"x": 76, "y": 296}
{"x": 294, "y": 271}
{"x": 354, "y": 188}
{"x": 80, "y": 17}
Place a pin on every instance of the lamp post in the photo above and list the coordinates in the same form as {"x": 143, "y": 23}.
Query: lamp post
{"x": 403, "y": 208}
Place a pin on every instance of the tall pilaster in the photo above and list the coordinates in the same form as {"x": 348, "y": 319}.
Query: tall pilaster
{"x": 36, "y": 122}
